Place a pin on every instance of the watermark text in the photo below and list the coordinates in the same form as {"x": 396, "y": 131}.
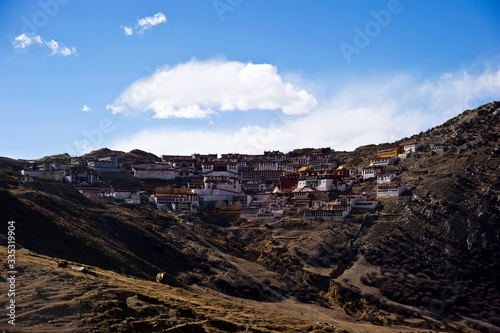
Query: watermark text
{"x": 11, "y": 272}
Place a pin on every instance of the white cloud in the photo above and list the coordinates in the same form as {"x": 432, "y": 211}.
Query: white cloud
{"x": 145, "y": 23}
{"x": 128, "y": 31}
{"x": 376, "y": 110}
{"x": 25, "y": 40}
{"x": 114, "y": 109}
{"x": 198, "y": 89}
{"x": 86, "y": 108}
{"x": 148, "y": 22}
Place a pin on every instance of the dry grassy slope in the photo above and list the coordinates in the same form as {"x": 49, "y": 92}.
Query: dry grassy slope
{"x": 10, "y": 171}
{"x": 50, "y": 298}
{"x": 55, "y": 220}
{"x": 79, "y": 231}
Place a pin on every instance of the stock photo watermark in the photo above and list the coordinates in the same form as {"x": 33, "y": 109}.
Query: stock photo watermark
{"x": 11, "y": 272}
{"x": 223, "y": 6}
{"x": 92, "y": 138}
{"x": 364, "y": 36}
{"x": 48, "y": 9}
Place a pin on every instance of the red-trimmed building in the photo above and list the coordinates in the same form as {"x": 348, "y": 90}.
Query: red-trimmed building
{"x": 289, "y": 181}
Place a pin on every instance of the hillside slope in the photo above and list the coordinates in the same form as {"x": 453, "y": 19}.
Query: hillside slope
{"x": 426, "y": 260}
{"x": 438, "y": 250}
{"x": 57, "y": 296}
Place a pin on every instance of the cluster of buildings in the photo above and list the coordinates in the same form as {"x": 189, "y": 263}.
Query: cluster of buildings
{"x": 266, "y": 186}
{"x": 337, "y": 209}
{"x": 260, "y": 187}
{"x": 388, "y": 182}
{"x": 85, "y": 176}
{"x": 79, "y": 171}
{"x": 267, "y": 208}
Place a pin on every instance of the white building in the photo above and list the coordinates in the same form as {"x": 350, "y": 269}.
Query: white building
{"x": 354, "y": 201}
{"x": 162, "y": 171}
{"x": 350, "y": 181}
{"x": 129, "y": 197}
{"x": 371, "y": 172}
{"x": 411, "y": 148}
{"x": 357, "y": 201}
{"x": 179, "y": 201}
{"x": 291, "y": 167}
{"x": 263, "y": 216}
{"x": 403, "y": 155}
{"x": 337, "y": 213}
{"x": 385, "y": 178}
{"x": 301, "y": 160}
{"x": 171, "y": 158}
{"x": 365, "y": 204}
{"x": 304, "y": 192}
{"x": 384, "y": 160}
{"x": 35, "y": 175}
{"x": 269, "y": 166}
{"x": 185, "y": 167}
{"x": 219, "y": 168}
{"x": 256, "y": 186}
{"x": 274, "y": 155}
{"x": 221, "y": 188}
{"x": 134, "y": 199}
{"x": 94, "y": 189}
{"x": 105, "y": 164}
{"x": 122, "y": 195}
{"x": 348, "y": 199}
{"x": 241, "y": 163}
{"x": 249, "y": 211}
{"x": 274, "y": 204}
{"x": 76, "y": 176}
{"x": 204, "y": 157}
{"x": 392, "y": 189}
{"x": 258, "y": 214}
{"x": 325, "y": 183}
{"x": 233, "y": 156}
{"x": 271, "y": 207}
{"x": 439, "y": 149}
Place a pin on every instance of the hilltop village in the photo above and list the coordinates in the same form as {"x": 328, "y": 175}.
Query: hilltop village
{"x": 314, "y": 186}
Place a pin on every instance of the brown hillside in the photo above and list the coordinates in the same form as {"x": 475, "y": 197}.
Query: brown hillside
{"x": 426, "y": 261}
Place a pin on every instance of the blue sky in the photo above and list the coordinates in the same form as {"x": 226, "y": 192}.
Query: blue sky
{"x": 229, "y": 75}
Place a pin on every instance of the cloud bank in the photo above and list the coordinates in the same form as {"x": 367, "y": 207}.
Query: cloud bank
{"x": 57, "y": 48}
{"x": 364, "y": 111}
{"x": 145, "y": 23}
{"x": 198, "y": 89}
